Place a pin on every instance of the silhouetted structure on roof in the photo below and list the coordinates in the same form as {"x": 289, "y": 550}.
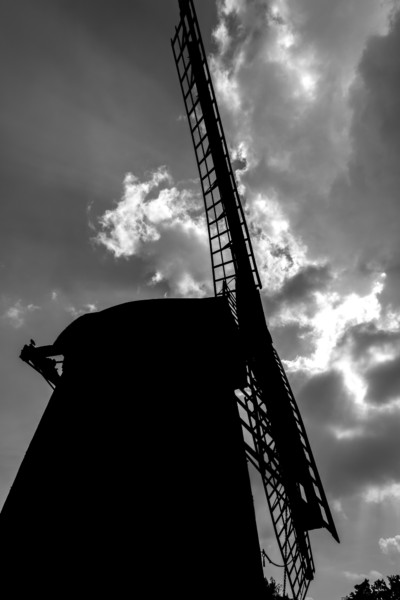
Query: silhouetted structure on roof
{"x": 136, "y": 478}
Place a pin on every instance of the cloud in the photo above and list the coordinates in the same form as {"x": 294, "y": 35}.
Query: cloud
{"x": 358, "y": 455}
{"x": 305, "y": 127}
{"x": 299, "y": 260}
{"x": 165, "y": 227}
{"x": 295, "y": 122}
{"x": 306, "y": 281}
{"x": 384, "y": 382}
{"x": 329, "y": 314}
{"x": 371, "y": 351}
{"x": 133, "y": 222}
{"x": 366, "y": 339}
{"x": 299, "y": 288}
{"x": 324, "y": 399}
{"x": 388, "y": 492}
{"x": 390, "y": 546}
{"x": 372, "y": 575}
{"x": 316, "y": 86}
{"x": 338, "y": 508}
{"x": 17, "y": 313}
{"x": 292, "y": 340}
{"x": 356, "y": 446}
{"x": 372, "y": 170}
{"x": 279, "y": 253}
{"x": 77, "y": 312}
{"x": 356, "y": 449}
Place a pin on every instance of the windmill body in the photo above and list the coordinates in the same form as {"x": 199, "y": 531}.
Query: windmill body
{"x": 136, "y": 478}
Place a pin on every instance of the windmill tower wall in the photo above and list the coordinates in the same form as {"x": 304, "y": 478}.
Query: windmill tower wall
{"x": 136, "y": 478}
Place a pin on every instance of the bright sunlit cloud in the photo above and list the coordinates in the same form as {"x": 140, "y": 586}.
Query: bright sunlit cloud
{"x": 390, "y": 546}
{"x": 377, "y": 495}
{"x": 334, "y": 313}
{"x": 164, "y": 226}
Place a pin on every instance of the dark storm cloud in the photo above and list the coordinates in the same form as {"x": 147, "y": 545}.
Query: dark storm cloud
{"x": 324, "y": 400}
{"x": 384, "y": 382}
{"x": 299, "y": 288}
{"x": 369, "y": 459}
{"x": 377, "y": 129}
{"x": 380, "y": 71}
{"x": 353, "y": 451}
{"x": 304, "y": 283}
{"x": 364, "y": 210}
{"x": 368, "y": 337}
{"x": 314, "y": 140}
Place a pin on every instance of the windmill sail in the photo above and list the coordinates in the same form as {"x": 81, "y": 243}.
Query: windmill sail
{"x": 276, "y": 440}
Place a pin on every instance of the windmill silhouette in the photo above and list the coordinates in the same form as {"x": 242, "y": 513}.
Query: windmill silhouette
{"x": 277, "y": 444}
{"x": 136, "y": 479}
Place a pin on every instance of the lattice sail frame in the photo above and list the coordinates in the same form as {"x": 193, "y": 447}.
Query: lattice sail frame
{"x": 268, "y": 410}
{"x": 220, "y": 235}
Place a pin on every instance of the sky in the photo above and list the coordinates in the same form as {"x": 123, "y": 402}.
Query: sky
{"x": 100, "y": 204}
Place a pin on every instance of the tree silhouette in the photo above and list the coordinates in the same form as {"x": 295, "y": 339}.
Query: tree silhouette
{"x": 273, "y": 590}
{"x": 379, "y": 590}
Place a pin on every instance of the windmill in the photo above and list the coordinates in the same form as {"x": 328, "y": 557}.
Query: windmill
{"x": 276, "y": 441}
{"x": 136, "y": 477}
